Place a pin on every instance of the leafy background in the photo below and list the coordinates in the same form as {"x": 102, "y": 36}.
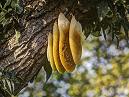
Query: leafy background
{"x": 9, "y": 18}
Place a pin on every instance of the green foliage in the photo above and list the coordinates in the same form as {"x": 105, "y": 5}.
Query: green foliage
{"x": 9, "y": 11}
{"x": 112, "y": 20}
{"x": 8, "y": 81}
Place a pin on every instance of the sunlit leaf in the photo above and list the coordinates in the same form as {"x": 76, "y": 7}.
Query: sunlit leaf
{"x": 96, "y": 34}
{"x": 17, "y": 35}
{"x": 7, "y": 3}
{"x": 13, "y": 4}
{"x": 0, "y": 6}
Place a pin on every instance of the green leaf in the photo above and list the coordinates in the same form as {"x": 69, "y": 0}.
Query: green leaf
{"x": 1, "y": 18}
{"x": 7, "y": 85}
{"x": 4, "y": 92}
{"x": 10, "y": 9}
{"x": 48, "y": 70}
{"x": 13, "y": 4}
{"x": 96, "y": 33}
{"x": 19, "y": 9}
{"x": 17, "y": 35}
{"x": 1, "y": 6}
{"x": 7, "y": 3}
{"x": 86, "y": 32}
{"x": 2, "y": 14}
{"x": 4, "y": 21}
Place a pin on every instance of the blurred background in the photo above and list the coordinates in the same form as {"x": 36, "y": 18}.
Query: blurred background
{"x": 103, "y": 72}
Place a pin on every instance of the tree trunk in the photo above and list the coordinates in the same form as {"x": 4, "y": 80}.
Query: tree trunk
{"x": 20, "y": 61}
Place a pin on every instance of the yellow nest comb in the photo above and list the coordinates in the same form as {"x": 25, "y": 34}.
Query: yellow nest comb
{"x": 65, "y": 46}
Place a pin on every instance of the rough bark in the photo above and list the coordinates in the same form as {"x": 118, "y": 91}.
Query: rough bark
{"x": 22, "y": 60}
